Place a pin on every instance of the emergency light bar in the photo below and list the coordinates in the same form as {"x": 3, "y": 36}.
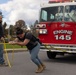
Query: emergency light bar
{"x": 59, "y": 1}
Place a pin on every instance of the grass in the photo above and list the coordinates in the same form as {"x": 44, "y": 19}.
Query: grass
{"x": 8, "y": 46}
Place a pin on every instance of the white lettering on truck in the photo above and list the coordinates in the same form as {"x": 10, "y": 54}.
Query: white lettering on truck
{"x": 63, "y": 34}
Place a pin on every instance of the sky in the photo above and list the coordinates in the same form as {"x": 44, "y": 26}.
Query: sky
{"x": 3, "y": 1}
{"x": 14, "y": 10}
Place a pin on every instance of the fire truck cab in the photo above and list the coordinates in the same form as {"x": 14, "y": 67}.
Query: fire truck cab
{"x": 57, "y": 27}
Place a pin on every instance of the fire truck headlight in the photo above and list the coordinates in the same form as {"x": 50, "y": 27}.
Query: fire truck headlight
{"x": 43, "y": 31}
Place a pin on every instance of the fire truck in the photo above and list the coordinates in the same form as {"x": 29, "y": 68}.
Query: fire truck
{"x": 57, "y": 27}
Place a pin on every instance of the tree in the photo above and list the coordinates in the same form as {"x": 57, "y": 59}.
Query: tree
{"x": 21, "y": 24}
{"x": 11, "y": 29}
{"x": 33, "y": 30}
{"x": 4, "y": 28}
{"x": 36, "y": 22}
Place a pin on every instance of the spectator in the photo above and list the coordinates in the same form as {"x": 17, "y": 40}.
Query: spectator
{"x": 2, "y": 62}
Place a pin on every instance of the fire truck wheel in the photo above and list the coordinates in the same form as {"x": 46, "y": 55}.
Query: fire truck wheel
{"x": 51, "y": 55}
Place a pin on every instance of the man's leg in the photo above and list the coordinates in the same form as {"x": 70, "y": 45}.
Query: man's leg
{"x": 1, "y": 54}
{"x": 34, "y": 55}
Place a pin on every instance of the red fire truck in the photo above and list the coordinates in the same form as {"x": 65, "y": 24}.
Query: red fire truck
{"x": 57, "y": 27}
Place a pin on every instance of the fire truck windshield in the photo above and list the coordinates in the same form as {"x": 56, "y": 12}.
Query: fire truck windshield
{"x": 58, "y": 13}
{"x": 70, "y": 13}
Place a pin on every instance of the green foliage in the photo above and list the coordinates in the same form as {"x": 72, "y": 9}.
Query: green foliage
{"x": 8, "y": 46}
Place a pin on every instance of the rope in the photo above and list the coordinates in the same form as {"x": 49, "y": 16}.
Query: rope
{"x": 6, "y": 54}
{"x": 47, "y": 47}
{"x": 51, "y": 47}
{"x": 13, "y": 53}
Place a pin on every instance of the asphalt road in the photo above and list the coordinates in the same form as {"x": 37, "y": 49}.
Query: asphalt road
{"x": 22, "y": 65}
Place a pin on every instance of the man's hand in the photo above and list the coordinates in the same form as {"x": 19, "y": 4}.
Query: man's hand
{"x": 2, "y": 39}
{"x": 12, "y": 42}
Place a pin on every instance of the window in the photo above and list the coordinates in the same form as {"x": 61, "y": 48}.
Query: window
{"x": 51, "y": 14}
{"x": 70, "y": 13}
{"x": 44, "y": 15}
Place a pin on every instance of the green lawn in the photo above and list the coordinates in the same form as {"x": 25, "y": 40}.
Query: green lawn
{"x": 8, "y": 46}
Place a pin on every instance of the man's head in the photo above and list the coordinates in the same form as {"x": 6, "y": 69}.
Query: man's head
{"x": 20, "y": 33}
{"x": 0, "y": 18}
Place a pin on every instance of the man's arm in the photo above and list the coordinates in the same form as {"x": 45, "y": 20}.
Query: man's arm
{"x": 17, "y": 42}
{"x": 12, "y": 42}
{"x": 25, "y": 42}
{"x": 1, "y": 31}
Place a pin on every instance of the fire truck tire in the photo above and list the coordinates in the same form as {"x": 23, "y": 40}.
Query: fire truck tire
{"x": 51, "y": 55}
